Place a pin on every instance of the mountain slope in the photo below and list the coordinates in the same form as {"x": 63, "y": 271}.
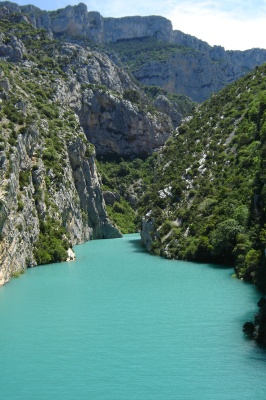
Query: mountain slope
{"x": 212, "y": 171}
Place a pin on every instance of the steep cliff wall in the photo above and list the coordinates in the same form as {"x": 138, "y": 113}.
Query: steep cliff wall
{"x": 190, "y": 67}
{"x": 196, "y": 74}
{"x": 116, "y": 29}
{"x": 195, "y": 69}
{"x": 50, "y": 196}
{"x": 115, "y": 114}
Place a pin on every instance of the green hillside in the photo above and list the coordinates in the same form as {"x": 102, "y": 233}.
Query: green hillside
{"x": 208, "y": 202}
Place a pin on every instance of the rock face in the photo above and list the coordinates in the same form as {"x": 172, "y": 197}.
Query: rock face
{"x": 257, "y": 330}
{"x": 119, "y": 128}
{"x": 116, "y": 29}
{"x": 49, "y": 185}
{"x": 77, "y": 203}
{"x": 196, "y": 72}
{"x": 164, "y": 105}
{"x": 77, "y": 21}
{"x": 147, "y": 232}
{"x": 110, "y": 197}
{"x": 12, "y": 50}
{"x": 116, "y": 126}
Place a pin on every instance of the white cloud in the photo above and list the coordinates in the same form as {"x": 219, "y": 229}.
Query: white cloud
{"x": 225, "y": 26}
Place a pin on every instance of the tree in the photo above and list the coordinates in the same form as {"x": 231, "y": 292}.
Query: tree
{"x": 224, "y": 238}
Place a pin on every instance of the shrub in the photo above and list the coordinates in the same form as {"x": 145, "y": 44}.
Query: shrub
{"x": 24, "y": 179}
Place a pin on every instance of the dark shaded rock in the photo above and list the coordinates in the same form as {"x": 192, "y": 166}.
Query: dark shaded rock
{"x": 110, "y": 197}
{"x": 133, "y": 200}
{"x": 249, "y": 329}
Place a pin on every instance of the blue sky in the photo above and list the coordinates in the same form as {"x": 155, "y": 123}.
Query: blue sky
{"x": 235, "y": 24}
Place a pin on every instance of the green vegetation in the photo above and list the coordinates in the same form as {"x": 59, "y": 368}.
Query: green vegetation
{"x": 123, "y": 216}
{"x": 138, "y": 52}
{"x": 50, "y": 247}
{"x": 18, "y": 273}
{"x": 127, "y": 178}
{"x": 210, "y": 183}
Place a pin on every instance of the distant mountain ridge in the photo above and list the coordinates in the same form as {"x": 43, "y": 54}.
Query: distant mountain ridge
{"x": 195, "y": 73}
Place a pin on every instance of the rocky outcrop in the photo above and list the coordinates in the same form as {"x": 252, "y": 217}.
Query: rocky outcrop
{"x": 110, "y": 197}
{"x": 147, "y": 232}
{"x": 163, "y": 104}
{"x": 87, "y": 186}
{"x": 11, "y": 49}
{"x": 197, "y": 74}
{"x": 119, "y": 128}
{"x": 257, "y": 330}
{"x": 99, "y": 93}
{"x": 116, "y": 29}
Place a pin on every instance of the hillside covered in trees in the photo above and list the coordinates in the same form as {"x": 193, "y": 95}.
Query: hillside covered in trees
{"x": 208, "y": 199}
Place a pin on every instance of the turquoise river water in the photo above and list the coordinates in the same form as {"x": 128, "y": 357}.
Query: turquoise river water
{"x": 119, "y": 324}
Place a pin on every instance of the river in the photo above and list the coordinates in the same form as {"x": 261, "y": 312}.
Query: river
{"x": 120, "y": 324}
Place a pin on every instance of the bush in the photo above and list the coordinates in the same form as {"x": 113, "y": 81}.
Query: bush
{"x": 50, "y": 112}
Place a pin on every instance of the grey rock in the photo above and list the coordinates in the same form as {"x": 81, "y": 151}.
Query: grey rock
{"x": 13, "y": 50}
{"x": 22, "y": 105}
{"x": 110, "y": 197}
{"x": 166, "y": 106}
{"x": 125, "y": 28}
{"x": 146, "y": 234}
{"x": 117, "y": 127}
{"x": 133, "y": 200}
{"x": 4, "y": 84}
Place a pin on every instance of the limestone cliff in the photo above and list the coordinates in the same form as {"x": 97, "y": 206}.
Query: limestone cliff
{"x": 50, "y": 196}
{"x": 115, "y": 114}
{"x": 32, "y": 196}
{"x": 194, "y": 69}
